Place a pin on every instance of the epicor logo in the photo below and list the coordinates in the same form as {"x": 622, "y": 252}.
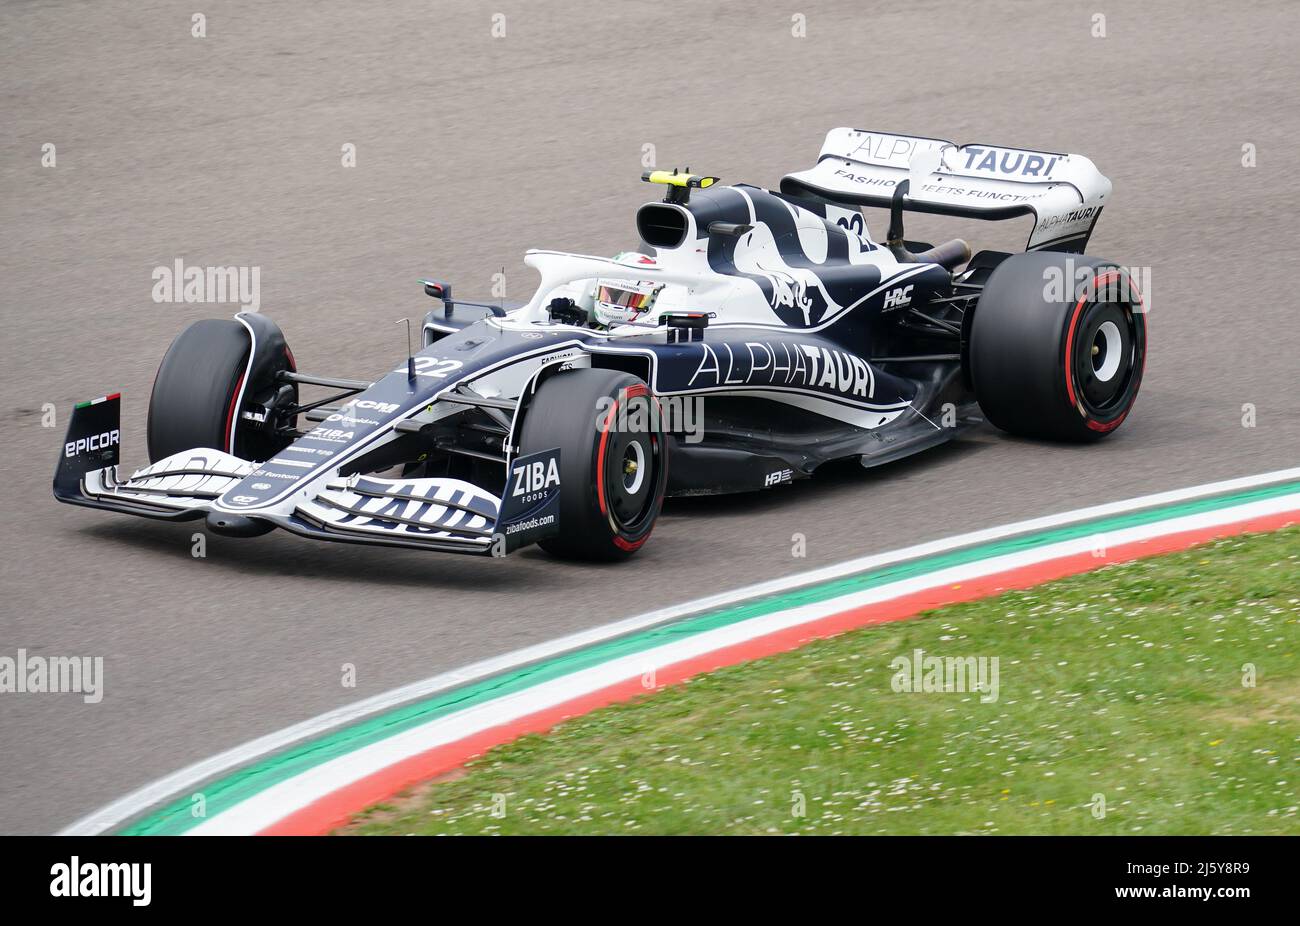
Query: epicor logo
{"x": 536, "y": 477}
{"x": 94, "y": 442}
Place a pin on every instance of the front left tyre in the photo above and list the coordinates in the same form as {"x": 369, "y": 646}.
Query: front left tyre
{"x": 215, "y": 371}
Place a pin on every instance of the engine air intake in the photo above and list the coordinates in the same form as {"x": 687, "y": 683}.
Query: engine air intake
{"x": 662, "y": 225}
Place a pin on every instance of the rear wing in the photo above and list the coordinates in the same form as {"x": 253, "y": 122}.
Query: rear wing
{"x": 1063, "y": 192}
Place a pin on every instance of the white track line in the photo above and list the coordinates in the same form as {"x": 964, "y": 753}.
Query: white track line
{"x": 268, "y": 807}
{"x": 178, "y": 782}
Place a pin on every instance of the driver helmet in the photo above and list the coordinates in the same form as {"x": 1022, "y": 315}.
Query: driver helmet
{"x": 617, "y": 302}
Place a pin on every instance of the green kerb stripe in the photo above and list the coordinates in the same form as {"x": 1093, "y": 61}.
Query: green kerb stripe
{"x": 239, "y": 785}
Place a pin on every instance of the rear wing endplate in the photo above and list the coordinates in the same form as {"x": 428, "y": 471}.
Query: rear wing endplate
{"x": 1064, "y": 193}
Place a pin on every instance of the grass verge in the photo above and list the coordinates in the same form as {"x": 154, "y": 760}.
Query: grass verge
{"x": 1156, "y": 697}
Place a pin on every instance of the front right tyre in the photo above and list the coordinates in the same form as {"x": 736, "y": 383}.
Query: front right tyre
{"x": 613, "y": 460}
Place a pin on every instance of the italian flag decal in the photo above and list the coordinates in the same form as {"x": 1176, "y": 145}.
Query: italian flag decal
{"x": 103, "y": 398}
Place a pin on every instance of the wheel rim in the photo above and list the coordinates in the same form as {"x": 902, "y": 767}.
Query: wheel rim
{"x": 1107, "y": 355}
{"x": 634, "y": 458}
{"x": 631, "y": 473}
{"x": 1106, "y": 352}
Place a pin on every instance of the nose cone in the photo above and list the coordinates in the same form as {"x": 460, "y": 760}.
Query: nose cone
{"x": 234, "y": 525}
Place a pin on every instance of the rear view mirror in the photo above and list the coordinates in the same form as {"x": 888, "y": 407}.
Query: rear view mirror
{"x": 436, "y": 289}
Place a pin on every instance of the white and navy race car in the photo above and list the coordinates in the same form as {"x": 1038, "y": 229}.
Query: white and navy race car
{"x": 756, "y": 335}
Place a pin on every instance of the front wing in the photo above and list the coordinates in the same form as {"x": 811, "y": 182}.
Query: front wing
{"x": 443, "y": 514}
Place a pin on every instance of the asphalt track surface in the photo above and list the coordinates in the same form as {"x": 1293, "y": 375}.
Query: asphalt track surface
{"x": 225, "y": 150}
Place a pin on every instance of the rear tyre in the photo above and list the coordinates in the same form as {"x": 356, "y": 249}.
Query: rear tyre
{"x": 206, "y": 382}
{"x": 613, "y": 460}
{"x": 1058, "y": 346}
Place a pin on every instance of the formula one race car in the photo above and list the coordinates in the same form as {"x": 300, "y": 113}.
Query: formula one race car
{"x": 756, "y": 335}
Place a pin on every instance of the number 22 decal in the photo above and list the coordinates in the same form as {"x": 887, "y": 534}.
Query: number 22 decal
{"x": 432, "y": 366}
{"x": 854, "y": 223}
